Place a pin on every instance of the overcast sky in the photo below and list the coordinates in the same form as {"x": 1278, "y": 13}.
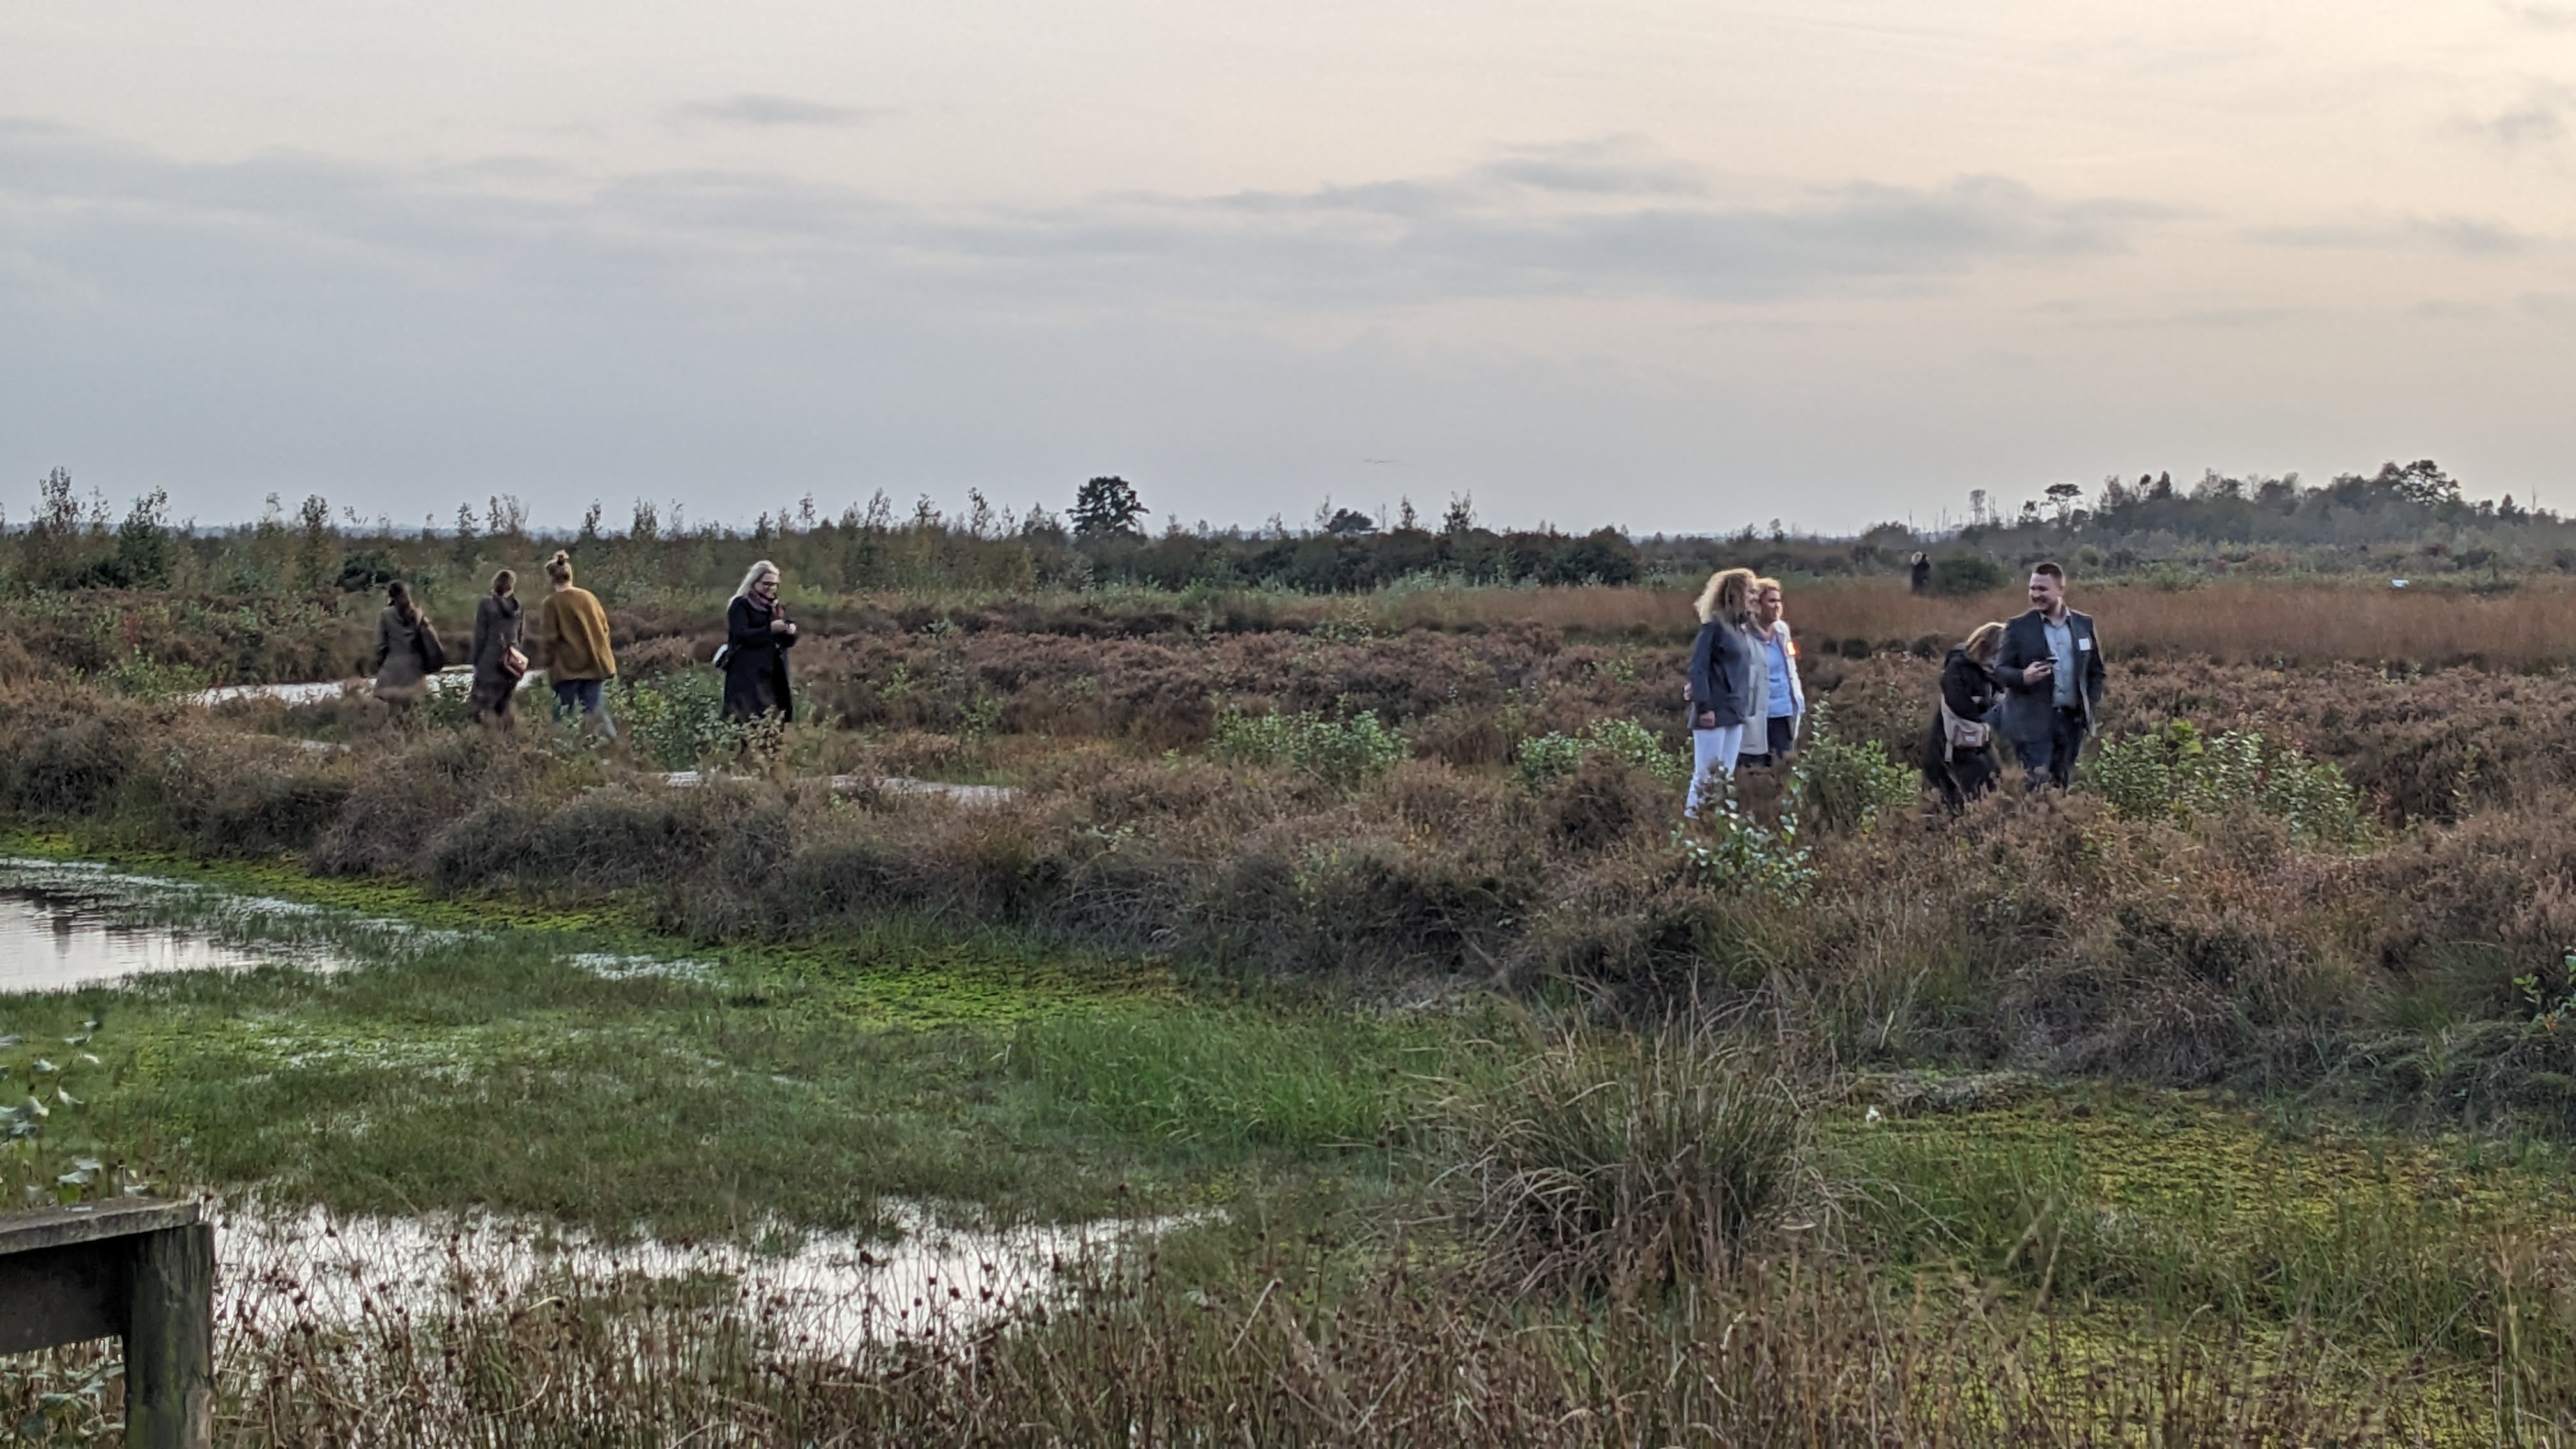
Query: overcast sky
{"x": 1668, "y": 264}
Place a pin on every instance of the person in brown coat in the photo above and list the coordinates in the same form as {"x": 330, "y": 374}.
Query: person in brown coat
{"x": 407, "y": 649}
{"x": 499, "y": 659}
{"x": 572, "y": 629}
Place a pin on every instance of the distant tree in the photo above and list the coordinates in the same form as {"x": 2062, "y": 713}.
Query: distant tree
{"x": 1461, "y": 517}
{"x": 142, "y": 558}
{"x": 2420, "y": 482}
{"x": 1349, "y": 523}
{"x": 1106, "y": 508}
{"x": 2062, "y": 496}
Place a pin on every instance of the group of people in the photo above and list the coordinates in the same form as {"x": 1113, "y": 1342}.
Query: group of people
{"x": 2035, "y": 683}
{"x": 572, "y": 642}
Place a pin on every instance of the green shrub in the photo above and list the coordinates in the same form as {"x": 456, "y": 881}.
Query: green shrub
{"x": 1849, "y": 785}
{"x": 1733, "y": 851}
{"x": 140, "y": 675}
{"x": 1960, "y": 574}
{"x": 1340, "y": 752}
{"x": 2175, "y": 773}
{"x": 676, "y": 720}
{"x": 1554, "y": 755}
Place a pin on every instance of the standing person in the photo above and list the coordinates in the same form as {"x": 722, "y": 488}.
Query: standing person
{"x": 1725, "y": 679}
{"x": 758, "y": 634}
{"x": 499, "y": 659}
{"x": 407, "y": 649}
{"x": 2051, "y": 667}
{"x": 1787, "y": 696}
{"x": 1959, "y": 750}
{"x": 573, "y": 631}
{"x": 1918, "y": 569}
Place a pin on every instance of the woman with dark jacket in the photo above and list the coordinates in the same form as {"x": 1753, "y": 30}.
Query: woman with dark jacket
{"x": 758, "y": 635}
{"x": 407, "y": 649}
{"x": 1728, "y": 685}
{"x": 1958, "y": 752}
{"x": 500, "y": 654}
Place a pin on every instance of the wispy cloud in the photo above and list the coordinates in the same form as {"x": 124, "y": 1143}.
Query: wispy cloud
{"x": 766, "y": 110}
{"x": 2539, "y": 119}
{"x": 2460, "y": 235}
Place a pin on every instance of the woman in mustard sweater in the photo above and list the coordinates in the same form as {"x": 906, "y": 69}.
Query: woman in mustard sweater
{"x": 572, "y": 630}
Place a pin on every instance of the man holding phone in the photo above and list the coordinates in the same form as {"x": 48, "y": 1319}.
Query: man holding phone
{"x": 2051, "y": 666}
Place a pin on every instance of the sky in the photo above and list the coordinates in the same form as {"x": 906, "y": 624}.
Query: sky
{"x": 1670, "y": 265}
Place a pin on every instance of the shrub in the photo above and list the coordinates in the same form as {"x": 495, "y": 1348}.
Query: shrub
{"x": 675, "y": 720}
{"x": 1552, "y": 755}
{"x": 2174, "y": 773}
{"x": 1960, "y": 574}
{"x": 1338, "y": 752}
{"x": 1740, "y": 853}
{"x": 1626, "y": 1159}
{"x": 1849, "y": 785}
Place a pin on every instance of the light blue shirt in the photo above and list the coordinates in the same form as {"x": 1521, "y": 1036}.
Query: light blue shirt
{"x": 1783, "y": 703}
{"x": 2061, "y": 648}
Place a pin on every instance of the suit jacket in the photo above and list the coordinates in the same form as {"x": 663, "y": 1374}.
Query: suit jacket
{"x": 2028, "y": 703}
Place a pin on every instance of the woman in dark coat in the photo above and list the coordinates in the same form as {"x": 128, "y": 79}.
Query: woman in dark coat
{"x": 758, "y": 635}
{"x": 1960, "y": 762}
{"x": 500, "y": 653}
{"x": 407, "y": 649}
{"x": 1726, "y": 682}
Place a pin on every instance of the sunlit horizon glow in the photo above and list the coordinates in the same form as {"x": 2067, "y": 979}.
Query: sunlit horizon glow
{"x": 1672, "y": 267}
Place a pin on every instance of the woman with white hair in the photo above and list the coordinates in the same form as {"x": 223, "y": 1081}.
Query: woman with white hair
{"x": 758, "y": 634}
{"x": 1725, "y": 679}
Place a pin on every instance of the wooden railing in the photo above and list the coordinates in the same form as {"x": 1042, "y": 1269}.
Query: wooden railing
{"x": 142, "y": 1271}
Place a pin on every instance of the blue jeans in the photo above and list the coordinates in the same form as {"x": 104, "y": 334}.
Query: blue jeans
{"x": 585, "y": 696}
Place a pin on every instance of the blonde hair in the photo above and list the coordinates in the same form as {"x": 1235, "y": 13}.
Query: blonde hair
{"x": 1764, "y": 584}
{"x": 559, "y": 568}
{"x": 1982, "y": 641}
{"x": 1729, "y": 596}
{"x": 753, "y": 577}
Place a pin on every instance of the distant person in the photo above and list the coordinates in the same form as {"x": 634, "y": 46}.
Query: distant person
{"x": 572, "y": 629}
{"x": 407, "y": 649}
{"x": 1919, "y": 569}
{"x": 758, "y": 635}
{"x": 2051, "y": 666}
{"x": 1959, "y": 751}
{"x": 1725, "y": 680}
{"x": 1786, "y": 696}
{"x": 500, "y": 658}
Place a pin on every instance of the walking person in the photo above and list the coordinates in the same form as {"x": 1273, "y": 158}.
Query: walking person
{"x": 1725, "y": 680}
{"x": 572, "y": 629}
{"x": 1785, "y": 694}
{"x": 2051, "y": 667}
{"x": 758, "y": 634}
{"x": 1959, "y": 750}
{"x": 500, "y": 660}
{"x": 407, "y": 649}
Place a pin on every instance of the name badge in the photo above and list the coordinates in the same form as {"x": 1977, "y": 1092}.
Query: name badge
{"x": 2083, "y": 644}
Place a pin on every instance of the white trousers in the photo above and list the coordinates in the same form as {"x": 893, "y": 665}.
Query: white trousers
{"x": 1712, "y": 754}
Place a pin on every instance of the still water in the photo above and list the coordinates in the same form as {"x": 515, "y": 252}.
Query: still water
{"x": 54, "y": 940}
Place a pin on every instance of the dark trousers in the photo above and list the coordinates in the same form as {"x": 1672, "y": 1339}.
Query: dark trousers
{"x": 2052, "y": 761}
{"x": 587, "y": 697}
{"x": 1780, "y": 737}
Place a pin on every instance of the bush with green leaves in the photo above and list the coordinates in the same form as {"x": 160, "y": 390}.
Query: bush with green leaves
{"x": 1340, "y": 752}
{"x": 1850, "y": 785}
{"x": 2178, "y": 774}
{"x": 1727, "y": 847}
{"x": 676, "y": 720}
{"x": 1549, "y": 756}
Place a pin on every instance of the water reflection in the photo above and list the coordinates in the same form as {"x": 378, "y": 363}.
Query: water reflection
{"x": 52, "y": 941}
{"x": 832, "y": 1294}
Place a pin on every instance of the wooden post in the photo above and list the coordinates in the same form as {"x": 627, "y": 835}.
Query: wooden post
{"x": 139, "y": 1270}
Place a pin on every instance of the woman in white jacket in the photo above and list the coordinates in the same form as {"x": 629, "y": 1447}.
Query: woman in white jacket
{"x": 1771, "y": 734}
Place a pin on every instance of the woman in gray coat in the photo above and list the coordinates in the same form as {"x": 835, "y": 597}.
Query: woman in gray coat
{"x": 1728, "y": 685}
{"x": 500, "y": 653}
{"x": 407, "y": 649}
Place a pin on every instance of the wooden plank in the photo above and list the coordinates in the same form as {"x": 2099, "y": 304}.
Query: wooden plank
{"x": 63, "y": 1294}
{"x": 170, "y": 1340}
{"x": 58, "y": 1227}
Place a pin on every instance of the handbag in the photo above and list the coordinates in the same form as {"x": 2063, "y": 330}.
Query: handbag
{"x": 724, "y": 655}
{"x": 433, "y": 655}
{"x": 1962, "y": 734}
{"x": 513, "y": 663}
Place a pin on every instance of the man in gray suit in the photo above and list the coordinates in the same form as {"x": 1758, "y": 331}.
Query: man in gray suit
{"x": 2051, "y": 666}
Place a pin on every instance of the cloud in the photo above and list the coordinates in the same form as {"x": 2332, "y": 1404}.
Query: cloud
{"x": 2539, "y": 119}
{"x": 2459, "y": 235}
{"x": 763, "y": 110}
{"x": 2543, "y": 17}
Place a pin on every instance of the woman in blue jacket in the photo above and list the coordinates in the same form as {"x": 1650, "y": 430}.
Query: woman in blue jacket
{"x": 1726, "y": 679}
{"x": 758, "y": 635}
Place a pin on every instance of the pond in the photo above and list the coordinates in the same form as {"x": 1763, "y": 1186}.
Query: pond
{"x": 56, "y": 941}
